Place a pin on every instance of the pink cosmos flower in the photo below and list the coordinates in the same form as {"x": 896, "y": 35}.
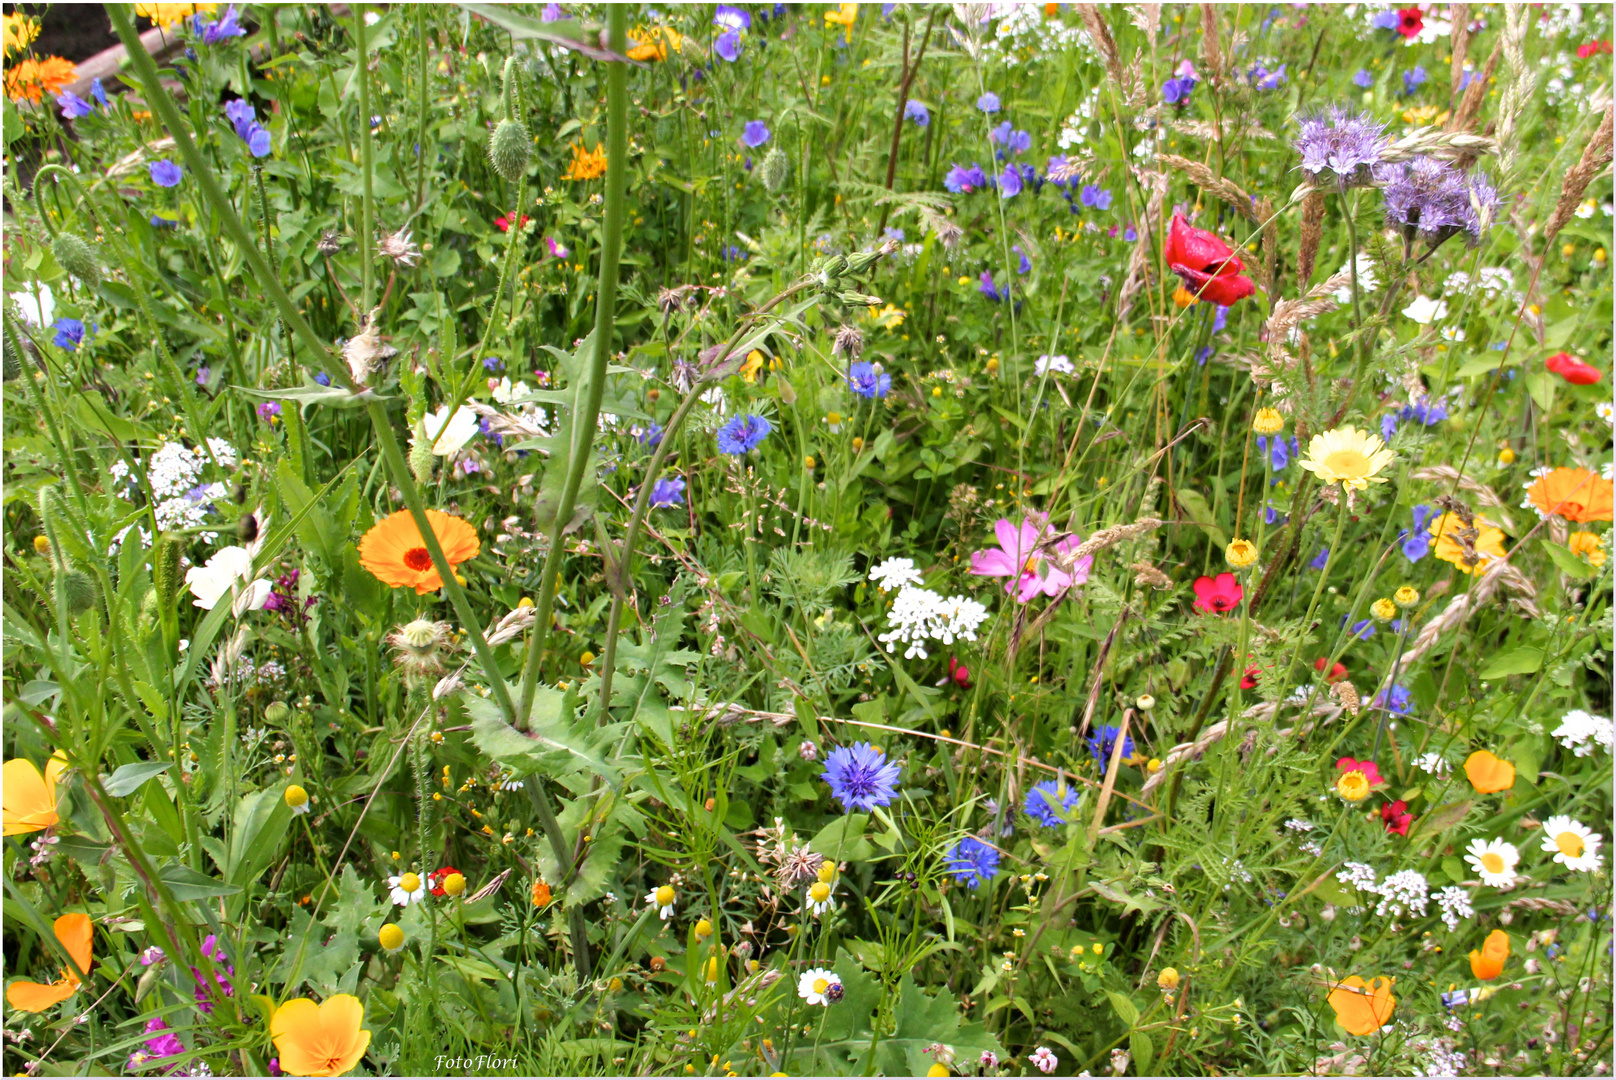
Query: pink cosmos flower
{"x": 1018, "y": 557}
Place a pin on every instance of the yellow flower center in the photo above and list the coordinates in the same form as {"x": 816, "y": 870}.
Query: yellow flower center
{"x": 821, "y": 985}
{"x": 1570, "y": 844}
{"x": 1492, "y": 862}
{"x": 664, "y": 895}
{"x": 1347, "y": 464}
{"x": 704, "y": 928}
{"x": 820, "y": 892}
{"x": 827, "y": 871}
{"x": 409, "y": 882}
{"x": 390, "y": 936}
{"x": 1353, "y": 786}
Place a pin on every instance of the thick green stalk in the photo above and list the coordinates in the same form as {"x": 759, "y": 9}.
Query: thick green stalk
{"x": 588, "y": 411}
{"x": 367, "y": 205}
{"x": 162, "y": 104}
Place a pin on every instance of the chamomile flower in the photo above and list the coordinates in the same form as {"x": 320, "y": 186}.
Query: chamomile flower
{"x": 819, "y": 986}
{"x": 1575, "y": 846}
{"x": 818, "y": 897}
{"x": 1494, "y": 861}
{"x": 662, "y": 898}
{"x": 407, "y": 888}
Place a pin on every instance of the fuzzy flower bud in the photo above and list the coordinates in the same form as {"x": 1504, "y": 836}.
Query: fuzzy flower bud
{"x": 77, "y": 258}
{"x": 775, "y": 170}
{"x": 508, "y": 150}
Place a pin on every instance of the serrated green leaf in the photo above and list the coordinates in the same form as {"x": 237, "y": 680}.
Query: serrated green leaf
{"x": 555, "y": 744}
{"x": 1518, "y": 661}
{"x": 1440, "y": 820}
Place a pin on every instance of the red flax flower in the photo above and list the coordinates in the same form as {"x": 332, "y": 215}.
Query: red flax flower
{"x": 1209, "y": 267}
{"x": 1396, "y": 817}
{"x": 1337, "y": 673}
{"x": 1217, "y": 595}
{"x": 436, "y": 878}
{"x": 503, "y": 222}
{"x": 1410, "y": 21}
{"x": 1593, "y": 48}
{"x": 1571, "y": 369}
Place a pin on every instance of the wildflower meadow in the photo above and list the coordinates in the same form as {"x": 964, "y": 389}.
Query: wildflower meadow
{"x": 773, "y": 540}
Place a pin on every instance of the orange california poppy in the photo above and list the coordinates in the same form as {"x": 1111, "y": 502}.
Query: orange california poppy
{"x": 1487, "y": 962}
{"x": 1363, "y": 1007}
{"x": 30, "y": 80}
{"x": 320, "y": 1040}
{"x": 30, "y": 799}
{"x": 541, "y": 894}
{"x": 1574, "y": 494}
{"x": 653, "y": 44}
{"x": 1489, "y": 773}
{"x": 394, "y": 551}
{"x": 76, "y": 934}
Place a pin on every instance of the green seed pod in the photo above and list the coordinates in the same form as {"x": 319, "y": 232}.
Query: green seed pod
{"x": 774, "y": 170}
{"x": 52, "y": 514}
{"x": 508, "y": 150}
{"x": 166, "y": 569}
{"x": 853, "y": 299}
{"x": 76, "y": 257}
{"x": 78, "y": 590}
{"x": 833, "y": 268}
{"x": 692, "y": 50}
{"x": 12, "y": 351}
{"x": 421, "y": 459}
{"x": 860, "y": 261}
{"x": 277, "y": 712}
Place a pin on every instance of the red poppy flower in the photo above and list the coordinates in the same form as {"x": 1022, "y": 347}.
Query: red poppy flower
{"x": 959, "y": 673}
{"x": 1209, "y": 267}
{"x": 434, "y": 880}
{"x": 1410, "y": 21}
{"x": 1396, "y": 817}
{"x": 1593, "y": 48}
{"x": 1572, "y": 370}
{"x": 503, "y": 222}
{"x": 1248, "y": 681}
{"x": 1337, "y": 673}
{"x": 1370, "y": 771}
{"x": 1217, "y": 595}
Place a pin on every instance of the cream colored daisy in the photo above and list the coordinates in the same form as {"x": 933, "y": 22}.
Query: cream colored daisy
{"x": 1494, "y": 861}
{"x": 1575, "y": 846}
{"x": 819, "y": 986}
{"x": 1347, "y": 455}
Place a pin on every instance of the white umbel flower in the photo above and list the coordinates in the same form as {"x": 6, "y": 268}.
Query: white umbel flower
{"x": 1575, "y": 846}
{"x": 1494, "y": 861}
{"x": 1581, "y": 732}
{"x": 1425, "y": 311}
{"x": 815, "y": 986}
{"x": 895, "y": 573}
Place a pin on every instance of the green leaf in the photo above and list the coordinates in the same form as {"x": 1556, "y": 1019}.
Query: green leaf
{"x": 555, "y": 744}
{"x": 126, "y": 779}
{"x": 261, "y": 822}
{"x": 1125, "y": 1009}
{"x": 187, "y": 884}
{"x": 1440, "y": 820}
{"x": 1569, "y": 564}
{"x": 335, "y": 397}
{"x": 1518, "y": 661}
{"x": 843, "y": 839}
{"x": 1143, "y": 1051}
{"x": 1195, "y": 506}
{"x": 568, "y": 33}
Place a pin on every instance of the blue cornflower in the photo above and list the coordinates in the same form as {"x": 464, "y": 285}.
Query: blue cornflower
{"x": 917, "y": 113}
{"x": 861, "y": 777}
{"x": 1009, "y": 182}
{"x": 1364, "y": 78}
{"x": 1321, "y": 560}
{"x": 1045, "y": 805}
{"x": 668, "y": 492}
{"x": 1427, "y": 411}
{"x": 165, "y": 173}
{"x": 158, "y": 222}
{"x": 1103, "y": 740}
{"x": 1096, "y": 198}
{"x": 1396, "y": 701}
{"x": 988, "y": 289}
{"x": 866, "y": 382}
{"x": 973, "y": 862}
{"x": 1417, "y": 541}
{"x": 733, "y": 18}
{"x": 73, "y": 106}
{"x": 988, "y": 103}
{"x": 731, "y": 253}
{"x": 755, "y": 134}
{"x": 98, "y": 92}
{"x": 1412, "y": 78}
{"x": 728, "y": 45}
{"x": 226, "y": 26}
{"x": 743, "y": 433}
{"x": 1363, "y": 630}
{"x": 69, "y": 334}
{"x": 651, "y": 436}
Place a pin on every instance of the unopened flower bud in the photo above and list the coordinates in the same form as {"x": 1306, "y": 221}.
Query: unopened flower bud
{"x": 774, "y": 170}
{"x": 508, "y": 150}
{"x": 75, "y": 256}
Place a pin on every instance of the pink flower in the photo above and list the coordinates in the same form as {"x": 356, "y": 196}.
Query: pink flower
{"x": 1018, "y": 557}
{"x": 556, "y": 250}
{"x": 1368, "y": 768}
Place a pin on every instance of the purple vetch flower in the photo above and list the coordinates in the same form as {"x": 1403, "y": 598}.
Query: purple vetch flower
{"x": 865, "y": 381}
{"x": 755, "y": 134}
{"x": 988, "y": 103}
{"x": 1341, "y": 147}
{"x": 165, "y": 173}
{"x": 1025, "y": 265}
{"x": 73, "y": 106}
{"x": 1263, "y": 79}
{"x": 1434, "y": 200}
{"x": 960, "y": 179}
{"x": 860, "y": 777}
{"x": 1045, "y": 805}
{"x": 732, "y": 18}
{"x": 1220, "y": 318}
{"x": 1096, "y": 198}
{"x": 917, "y": 113}
{"x": 973, "y": 862}
{"x": 728, "y": 46}
{"x": 1427, "y": 411}
{"x": 164, "y": 1043}
{"x": 669, "y": 491}
{"x": 743, "y": 433}
{"x": 552, "y": 13}
{"x": 98, "y": 92}
{"x": 1130, "y": 234}
{"x": 203, "y": 374}
{"x": 651, "y": 436}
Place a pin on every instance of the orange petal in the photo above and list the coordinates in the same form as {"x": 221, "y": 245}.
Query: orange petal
{"x": 77, "y": 934}
{"x": 29, "y": 802}
{"x": 33, "y": 997}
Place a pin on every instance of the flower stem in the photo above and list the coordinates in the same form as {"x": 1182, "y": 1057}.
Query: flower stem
{"x": 367, "y": 205}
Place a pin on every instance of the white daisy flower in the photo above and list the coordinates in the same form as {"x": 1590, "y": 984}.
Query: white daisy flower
{"x": 662, "y": 898}
{"x": 407, "y": 888}
{"x": 817, "y": 898}
{"x": 819, "y": 986}
{"x": 1494, "y": 861}
{"x": 1425, "y": 311}
{"x": 1575, "y": 846}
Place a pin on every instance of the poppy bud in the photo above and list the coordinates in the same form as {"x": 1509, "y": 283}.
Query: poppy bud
{"x": 76, "y": 257}
{"x": 78, "y": 590}
{"x": 774, "y": 170}
{"x": 508, "y": 150}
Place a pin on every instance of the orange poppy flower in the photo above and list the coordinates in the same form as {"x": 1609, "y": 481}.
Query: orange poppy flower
{"x": 1363, "y": 1007}
{"x": 30, "y": 799}
{"x": 30, "y": 80}
{"x": 76, "y": 934}
{"x": 1489, "y": 773}
{"x": 586, "y": 164}
{"x": 653, "y": 44}
{"x": 541, "y": 894}
{"x": 1574, "y": 494}
{"x": 320, "y": 1040}
{"x": 1487, "y": 962}
{"x": 394, "y": 551}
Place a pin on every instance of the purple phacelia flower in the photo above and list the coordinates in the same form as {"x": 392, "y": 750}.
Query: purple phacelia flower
{"x": 1340, "y": 148}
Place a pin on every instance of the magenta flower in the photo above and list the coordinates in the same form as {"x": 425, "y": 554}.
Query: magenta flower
{"x": 1018, "y": 557}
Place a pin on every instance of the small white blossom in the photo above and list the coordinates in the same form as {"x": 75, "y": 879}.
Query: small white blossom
{"x": 895, "y": 573}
